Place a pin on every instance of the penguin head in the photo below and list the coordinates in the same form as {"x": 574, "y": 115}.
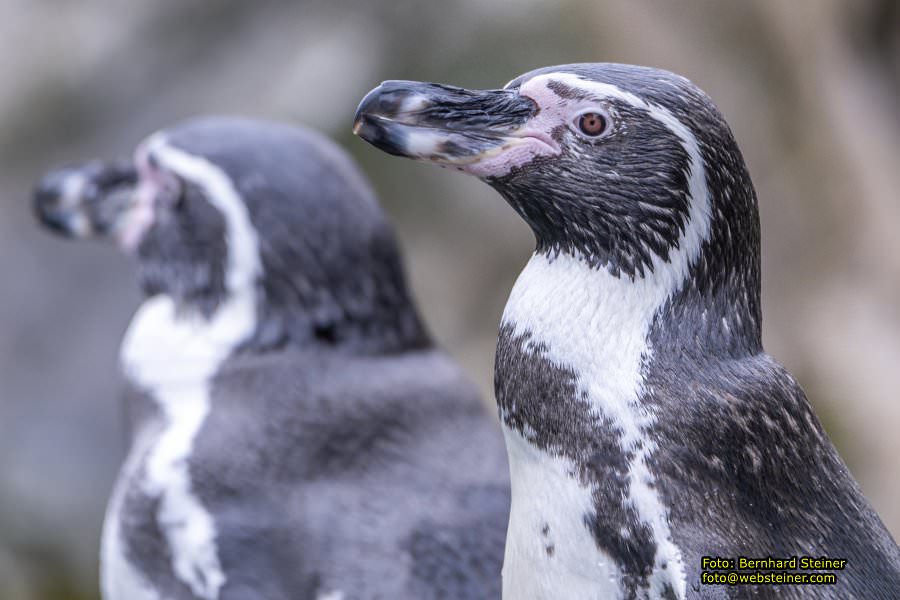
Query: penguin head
{"x": 629, "y": 170}
{"x": 217, "y": 208}
{"x": 617, "y": 164}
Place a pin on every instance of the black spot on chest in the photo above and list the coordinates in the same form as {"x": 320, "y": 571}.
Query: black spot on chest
{"x": 540, "y": 398}
{"x": 549, "y": 546}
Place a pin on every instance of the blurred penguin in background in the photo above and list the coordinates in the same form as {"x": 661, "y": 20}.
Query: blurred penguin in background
{"x": 295, "y": 433}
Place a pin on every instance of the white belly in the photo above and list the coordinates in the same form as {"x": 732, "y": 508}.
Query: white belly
{"x": 596, "y": 325}
{"x": 550, "y": 553}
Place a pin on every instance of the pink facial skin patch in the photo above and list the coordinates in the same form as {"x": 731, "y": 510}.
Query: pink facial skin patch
{"x": 140, "y": 215}
{"x": 534, "y": 139}
{"x": 515, "y": 152}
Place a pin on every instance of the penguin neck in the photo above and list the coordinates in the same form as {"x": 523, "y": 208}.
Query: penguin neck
{"x": 346, "y": 320}
{"x": 576, "y": 343}
{"x": 584, "y": 316}
{"x": 201, "y": 307}
{"x": 715, "y": 313}
{"x": 368, "y": 313}
{"x": 172, "y": 344}
{"x": 353, "y": 299}
{"x": 593, "y": 325}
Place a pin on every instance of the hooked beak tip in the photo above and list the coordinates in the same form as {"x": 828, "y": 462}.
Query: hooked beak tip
{"x": 79, "y": 201}
{"x": 438, "y": 123}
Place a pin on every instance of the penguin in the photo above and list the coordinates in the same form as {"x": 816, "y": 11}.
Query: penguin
{"x": 645, "y": 426}
{"x": 295, "y": 432}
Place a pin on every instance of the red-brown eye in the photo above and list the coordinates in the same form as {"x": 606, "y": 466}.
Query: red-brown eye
{"x": 592, "y": 124}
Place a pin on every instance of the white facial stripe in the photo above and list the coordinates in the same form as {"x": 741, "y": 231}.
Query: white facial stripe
{"x": 699, "y": 213}
{"x": 244, "y": 263}
{"x": 598, "y": 324}
{"x": 174, "y": 356}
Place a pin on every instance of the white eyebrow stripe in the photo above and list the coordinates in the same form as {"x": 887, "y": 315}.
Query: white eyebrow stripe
{"x": 176, "y": 356}
{"x": 698, "y": 225}
{"x": 244, "y": 263}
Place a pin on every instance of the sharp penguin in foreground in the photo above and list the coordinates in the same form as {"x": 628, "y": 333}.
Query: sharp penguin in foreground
{"x": 645, "y": 426}
{"x": 296, "y": 434}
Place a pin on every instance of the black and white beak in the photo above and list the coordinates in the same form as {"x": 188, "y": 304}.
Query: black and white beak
{"x": 447, "y": 125}
{"x": 86, "y": 200}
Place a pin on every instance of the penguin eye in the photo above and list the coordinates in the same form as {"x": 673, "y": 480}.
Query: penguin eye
{"x": 591, "y": 124}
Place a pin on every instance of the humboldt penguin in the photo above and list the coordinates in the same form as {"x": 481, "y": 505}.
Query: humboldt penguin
{"x": 645, "y": 426}
{"x": 295, "y": 432}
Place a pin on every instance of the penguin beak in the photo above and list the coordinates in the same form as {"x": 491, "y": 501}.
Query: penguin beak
{"x": 450, "y": 126}
{"x": 87, "y": 200}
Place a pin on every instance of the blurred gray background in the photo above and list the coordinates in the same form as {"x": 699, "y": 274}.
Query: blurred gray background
{"x": 811, "y": 89}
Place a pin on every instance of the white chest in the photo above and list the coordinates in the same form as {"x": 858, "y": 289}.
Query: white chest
{"x": 597, "y": 326}
{"x": 174, "y": 358}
